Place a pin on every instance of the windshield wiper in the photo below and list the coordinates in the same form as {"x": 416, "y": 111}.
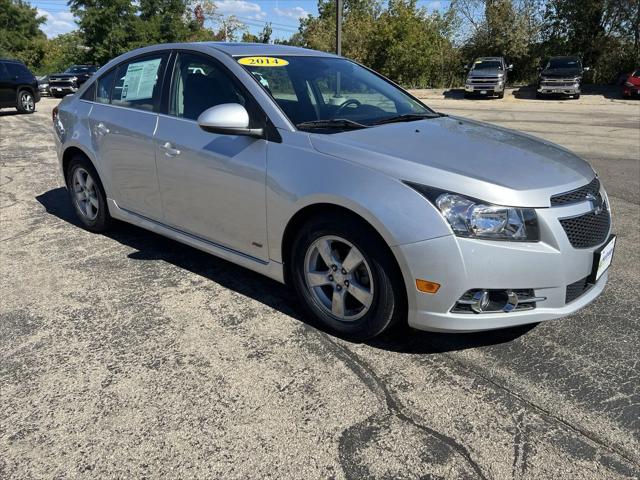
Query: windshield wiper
{"x": 338, "y": 123}
{"x": 408, "y": 117}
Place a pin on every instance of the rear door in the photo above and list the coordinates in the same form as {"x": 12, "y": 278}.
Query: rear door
{"x": 7, "y": 95}
{"x": 122, "y": 123}
{"x": 212, "y": 185}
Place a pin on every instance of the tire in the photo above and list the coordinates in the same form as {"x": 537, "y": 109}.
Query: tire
{"x": 501, "y": 94}
{"x": 26, "y": 102}
{"x": 467, "y": 95}
{"x": 89, "y": 200}
{"x": 576, "y": 97}
{"x": 374, "y": 277}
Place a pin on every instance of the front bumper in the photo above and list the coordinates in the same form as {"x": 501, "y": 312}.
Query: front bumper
{"x": 462, "y": 264}
{"x": 62, "y": 89}
{"x": 484, "y": 88}
{"x": 558, "y": 90}
{"x": 631, "y": 91}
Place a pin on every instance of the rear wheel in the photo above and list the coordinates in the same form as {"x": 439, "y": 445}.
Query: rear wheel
{"x": 576, "y": 97}
{"x": 346, "y": 279}
{"x": 87, "y": 195}
{"x": 26, "y": 102}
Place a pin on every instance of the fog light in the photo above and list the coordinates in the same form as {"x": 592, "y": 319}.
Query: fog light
{"x": 496, "y": 301}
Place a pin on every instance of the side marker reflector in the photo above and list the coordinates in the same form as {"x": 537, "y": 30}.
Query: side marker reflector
{"x": 426, "y": 286}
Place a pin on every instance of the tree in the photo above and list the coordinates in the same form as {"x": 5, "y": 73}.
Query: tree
{"x": 606, "y": 33}
{"x": 109, "y": 27}
{"x": 20, "y": 34}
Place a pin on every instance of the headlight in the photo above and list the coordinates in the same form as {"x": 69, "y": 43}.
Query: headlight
{"x": 73, "y": 79}
{"x": 475, "y": 219}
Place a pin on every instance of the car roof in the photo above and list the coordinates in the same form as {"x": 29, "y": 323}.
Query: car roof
{"x": 239, "y": 49}
{"x": 489, "y": 58}
{"x": 11, "y": 60}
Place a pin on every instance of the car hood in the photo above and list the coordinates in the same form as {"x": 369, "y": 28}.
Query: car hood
{"x": 490, "y": 163}
{"x": 486, "y": 72}
{"x": 561, "y": 72}
{"x": 69, "y": 75}
{"x": 633, "y": 80}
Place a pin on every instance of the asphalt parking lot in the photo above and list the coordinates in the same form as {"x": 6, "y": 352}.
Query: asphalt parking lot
{"x": 129, "y": 355}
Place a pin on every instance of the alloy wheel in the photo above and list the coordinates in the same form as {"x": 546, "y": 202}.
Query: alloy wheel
{"x": 27, "y": 102}
{"x": 86, "y": 195}
{"x": 339, "y": 278}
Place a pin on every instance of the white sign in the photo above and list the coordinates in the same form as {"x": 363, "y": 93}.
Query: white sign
{"x": 606, "y": 255}
{"x": 140, "y": 80}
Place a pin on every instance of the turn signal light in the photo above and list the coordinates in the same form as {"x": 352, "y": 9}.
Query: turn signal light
{"x": 427, "y": 286}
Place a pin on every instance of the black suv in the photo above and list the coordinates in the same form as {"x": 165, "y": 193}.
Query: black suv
{"x": 61, "y": 84}
{"x": 18, "y": 87}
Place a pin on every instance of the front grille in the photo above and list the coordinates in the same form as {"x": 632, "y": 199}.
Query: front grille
{"x": 587, "y": 230}
{"x": 578, "y": 195}
{"x": 481, "y": 80}
{"x": 576, "y": 289}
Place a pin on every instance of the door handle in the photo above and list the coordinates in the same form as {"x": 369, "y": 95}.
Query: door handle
{"x": 101, "y": 129}
{"x": 169, "y": 151}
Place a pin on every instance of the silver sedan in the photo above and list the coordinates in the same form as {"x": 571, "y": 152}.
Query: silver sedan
{"x": 318, "y": 172}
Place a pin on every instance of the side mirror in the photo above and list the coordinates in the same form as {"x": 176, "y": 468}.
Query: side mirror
{"x": 586, "y": 69}
{"x": 510, "y": 67}
{"x": 228, "y": 119}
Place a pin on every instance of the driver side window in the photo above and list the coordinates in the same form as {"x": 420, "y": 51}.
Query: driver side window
{"x": 198, "y": 84}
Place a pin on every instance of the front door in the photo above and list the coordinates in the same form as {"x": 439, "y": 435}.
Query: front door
{"x": 212, "y": 185}
{"x": 122, "y": 124}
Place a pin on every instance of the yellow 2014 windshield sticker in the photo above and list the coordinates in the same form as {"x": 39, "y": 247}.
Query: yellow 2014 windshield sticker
{"x": 263, "y": 62}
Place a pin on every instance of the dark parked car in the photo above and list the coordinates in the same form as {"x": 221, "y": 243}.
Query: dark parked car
{"x": 18, "y": 87}
{"x": 631, "y": 86}
{"x": 43, "y": 85}
{"x": 561, "y": 76}
{"x": 61, "y": 84}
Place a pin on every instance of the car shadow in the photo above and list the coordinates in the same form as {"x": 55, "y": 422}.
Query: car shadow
{"x": 153, "y": 247}
{"x": 10, "y": 113}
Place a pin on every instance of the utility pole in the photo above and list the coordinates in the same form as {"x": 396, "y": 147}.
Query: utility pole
{"x": 337, "y": 98}
{"x": 338, "y": 27}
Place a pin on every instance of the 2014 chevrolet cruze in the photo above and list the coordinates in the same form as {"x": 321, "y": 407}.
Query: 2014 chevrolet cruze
{"x": 314, "y": 170}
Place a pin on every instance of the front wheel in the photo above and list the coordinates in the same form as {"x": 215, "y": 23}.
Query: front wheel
{"x": 346, "y": 278}
{"x": 26, "y": 102}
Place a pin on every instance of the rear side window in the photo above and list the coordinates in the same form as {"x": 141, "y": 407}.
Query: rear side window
{"x": 18, "y": 70}
{"x": 4, "y": 75}
{"x": 103, "y": 87}
{"x": 137, "y": 83}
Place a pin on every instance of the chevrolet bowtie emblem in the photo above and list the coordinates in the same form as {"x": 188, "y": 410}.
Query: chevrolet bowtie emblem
{"x": 596, "y": 203}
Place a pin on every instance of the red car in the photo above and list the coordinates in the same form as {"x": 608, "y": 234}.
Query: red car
{"x": 631, "y": 87}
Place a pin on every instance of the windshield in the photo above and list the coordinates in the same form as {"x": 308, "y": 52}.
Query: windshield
{"x": 487, "y": 65}
{"x": 564, "y": 63}
{"x": 636, "y": 74}
{"x": 312, "y": 89}
{"x": 80, "y": 69}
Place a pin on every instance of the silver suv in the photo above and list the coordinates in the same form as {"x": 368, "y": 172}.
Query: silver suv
{"x": 314, "y": 170}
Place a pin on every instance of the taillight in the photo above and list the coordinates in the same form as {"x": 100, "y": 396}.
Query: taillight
{"x": 54, "y": 114}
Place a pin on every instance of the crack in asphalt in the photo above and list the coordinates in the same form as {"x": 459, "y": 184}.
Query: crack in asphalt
{"x": 520, "y": 447}
{"x": 394, "y": 407}
{"x": 593, "y": 437}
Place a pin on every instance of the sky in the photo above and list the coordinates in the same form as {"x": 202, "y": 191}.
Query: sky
{"x": 283, "y": 15}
